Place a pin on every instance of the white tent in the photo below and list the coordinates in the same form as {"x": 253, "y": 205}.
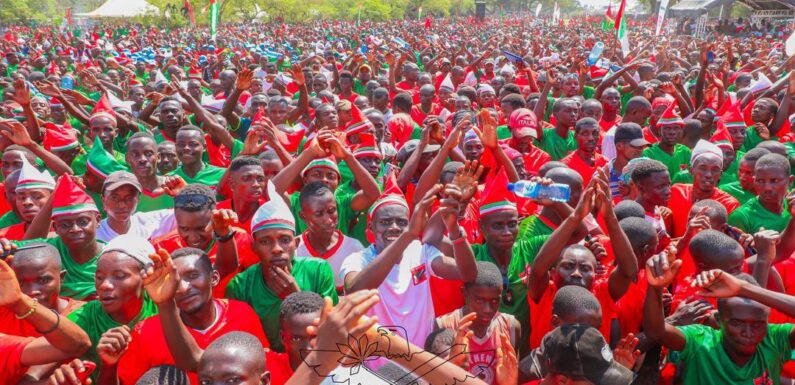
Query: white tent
{"x": 122, "y": 8}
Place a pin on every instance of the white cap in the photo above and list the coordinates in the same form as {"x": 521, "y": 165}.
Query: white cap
{"x": 132, "y": 245}
{"x": 273, "y": 214}
{"x": 703, "y": 148}
{"x": 31, "y": 178}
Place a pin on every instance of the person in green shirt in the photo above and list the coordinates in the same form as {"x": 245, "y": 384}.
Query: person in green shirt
{"x": 75, "y": 218}
{"x": 763, "y": 113}
{"x": 103, "y": 131}
{"x": 509, "y": 104}
{"x": 313, "y": 166}
{"x": 675, "y": 156}
{"x": 743, "y": 189}
{"x": 744, "y": 350}
{"x": 772, "y": 179}
{"x": 499, "y": 220}
{"x": 279, "y": 272}
{"x": 12, "y": 217}
{"x": 142, "y": 157}
{"x": 550, "y": 216}
{"x": 191, "y": 145}
{"x": 558, "y": 141}
{"x": 121, "y": 303}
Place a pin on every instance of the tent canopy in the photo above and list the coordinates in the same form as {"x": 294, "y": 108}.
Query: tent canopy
{"x": 695, "y": 7}
{"x": 121, "y": 8}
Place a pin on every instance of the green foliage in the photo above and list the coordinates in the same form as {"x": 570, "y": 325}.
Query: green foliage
{"x": 26, "y": 11}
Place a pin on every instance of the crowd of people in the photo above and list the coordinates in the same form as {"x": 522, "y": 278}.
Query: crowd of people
{"x": 327, "y": 202}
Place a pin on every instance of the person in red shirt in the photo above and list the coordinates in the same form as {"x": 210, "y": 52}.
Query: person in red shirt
{"x": 247, "y": 183}
{"x": 201, "y": 226}
{"x": 62, "y": 340}
{"x": 706, "y": 168}
{"x": 585, "y": 160}
{"x": 576, "y": 265}
{"x": 653, "y": 184}
{"x": 426, "y": 106}
{"x": 39, "y": 273}
{"x": 611, "y": 106}
{"x": 345, "y": 85}
{"x": 524, "y": 125}
{"x": 643, "y": 237}
{"x": 205, "y": 317}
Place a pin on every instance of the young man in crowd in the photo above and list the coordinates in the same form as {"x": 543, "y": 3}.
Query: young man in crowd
{"x": 205, "y": 317}
{"x": 279, "y": 271}
{"x": 575, "y": 264}
{"x": 322, "y": 239}
{"x": 743, "y": 189}
{"x": 772, "y": 181}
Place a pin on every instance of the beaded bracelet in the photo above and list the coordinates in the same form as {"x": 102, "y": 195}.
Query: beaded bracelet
{"x": 29, "y": 312}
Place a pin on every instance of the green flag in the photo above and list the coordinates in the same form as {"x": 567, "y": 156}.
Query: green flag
{"x": 214, "y": 14}
{"x": 607, "y": 23}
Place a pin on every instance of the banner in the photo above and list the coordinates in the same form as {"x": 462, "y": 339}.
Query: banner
{"x": 661, "y": 16}
{"x": 188, "y": 8}
{"x": 214, "y": 10}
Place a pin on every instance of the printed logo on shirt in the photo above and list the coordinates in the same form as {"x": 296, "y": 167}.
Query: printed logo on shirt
{"x": 682, "y": 167}
{"x": 418, "y": 274}
{"x": 482, "y": 365}
{"x": 764, "y": 379}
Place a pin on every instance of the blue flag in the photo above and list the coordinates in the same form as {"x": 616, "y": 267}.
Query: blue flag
{"x": 512, "y": 57}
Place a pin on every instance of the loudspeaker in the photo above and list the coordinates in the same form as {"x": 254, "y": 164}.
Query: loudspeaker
{"x": 480, "y": 10}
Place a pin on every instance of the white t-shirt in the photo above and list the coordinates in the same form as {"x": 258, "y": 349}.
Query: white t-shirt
{"x": 344, "y": 248}
{"x": 405, "y": 293}
{"x": 147, "y": 225}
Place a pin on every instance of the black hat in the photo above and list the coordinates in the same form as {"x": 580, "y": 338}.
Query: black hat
{"x": 579, "y": 351}
{"x": 631, "y": 133}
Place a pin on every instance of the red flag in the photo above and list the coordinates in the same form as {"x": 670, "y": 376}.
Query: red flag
{"x": 620, "y": 14}
{"x": 189, "y": 8}
{"x": 69, "y": 16}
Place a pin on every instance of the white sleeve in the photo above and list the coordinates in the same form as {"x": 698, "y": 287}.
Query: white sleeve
{"x": 161, "y": 221}
{"x": 429, "y": 254}
{"x": 353, "y": 263}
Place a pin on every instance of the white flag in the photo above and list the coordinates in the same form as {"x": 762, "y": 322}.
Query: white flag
{"x": 661, "y": 16}
{"x": 556, "y": 14}
{"x": 538, "y": 9}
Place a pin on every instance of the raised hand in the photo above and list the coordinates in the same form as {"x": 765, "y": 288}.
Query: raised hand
{"x": 16, "y": 132}
{"x": 765, "y": 242}
{"x": 507, "y": 362}
{"x": 699, "y": 222}
{"x": 252, "y": 145}
{"x": 298, "y": 75}
{"x": 587, "y": 202}
{"x": 9, "y": 286}
{"x": 690, "y": 311}
{"x": 625, "y": 353}
{"x": 450, "y": 205}
{"x": 488, "y": 135}
{"x": 173, "y": 184}
{"x": 662, "y": 268}
{"x": 21, "y": 92}
{"x": 422, "y": 211}
{"x": 459, "y": 351}
{"x": 222, "y": 221}
{"x": 466, "y": 179}
{"x": 244, "y": 79}
{"x": 337, "y": 324}
{"x": 113, "y": 344}
{"x": 717, "y": 283}
{"x": 49, "y": 89}
{"x": 161, "y": 278}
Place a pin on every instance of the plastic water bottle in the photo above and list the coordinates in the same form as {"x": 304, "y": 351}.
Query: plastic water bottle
{"x": 67, "y": 83}
{"x": 596, "y": 52}
{"x": 557, "y": 192}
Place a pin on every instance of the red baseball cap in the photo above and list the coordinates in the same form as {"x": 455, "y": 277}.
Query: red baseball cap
{"x": 523, "y": 122}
